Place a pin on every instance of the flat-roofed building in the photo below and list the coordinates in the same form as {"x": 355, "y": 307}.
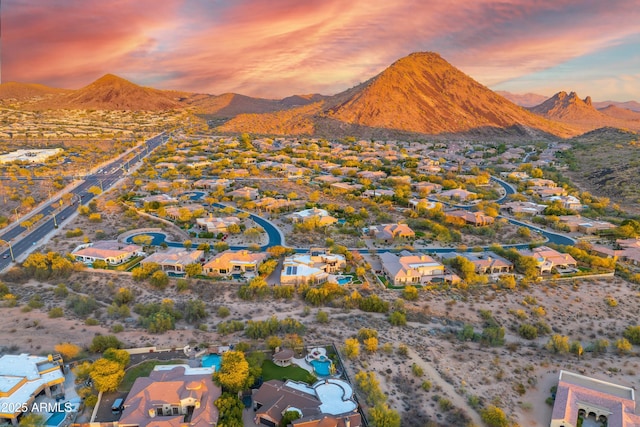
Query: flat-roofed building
{"x": 23, "y": 377}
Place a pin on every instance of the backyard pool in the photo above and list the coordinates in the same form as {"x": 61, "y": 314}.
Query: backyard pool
{"x": 322, "y": 367}
{"x": 211, "y": 360}
{"x": 343, "y": 280}
{"x": 56, "y": 419}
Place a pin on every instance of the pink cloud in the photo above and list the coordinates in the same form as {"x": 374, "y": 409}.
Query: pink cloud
{"x": 276, "y": 48}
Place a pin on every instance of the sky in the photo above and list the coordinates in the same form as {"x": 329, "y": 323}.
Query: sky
{"x": 277, "y": 48}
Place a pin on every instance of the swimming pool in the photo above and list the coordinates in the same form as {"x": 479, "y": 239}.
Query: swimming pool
{"x": 322, "y": 367}
{"x": 212, "y": 360}
{"x": 343, "y": 280}
{"x": 56, "y": 419}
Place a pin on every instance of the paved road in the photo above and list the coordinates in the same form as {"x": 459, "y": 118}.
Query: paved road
{"x": 22, "y": 239}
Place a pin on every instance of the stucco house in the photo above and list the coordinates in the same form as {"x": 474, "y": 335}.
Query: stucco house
{"x": 314, "y": 267}
{"x": 174, "y": 260}
{"x": 110, "y": 251}
{"x": 234, "y": 262}
{"x": 411, "y": 269}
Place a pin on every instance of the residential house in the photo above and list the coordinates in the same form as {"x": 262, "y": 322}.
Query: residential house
{"x": 524, "y": 208}
{"x": 372, "y": 175}
{"x": 387, "y": 233}
{"x": 172, "y": 396}
{"x": 485, "y": 262}
{"x": 625, "y": 249}
{"x": 427, "y": 187}
{"x": 584, "y": 225}
{"x": 174, "y": 260}
{"x": 23, "y": 377}
{"x": 459, "y": 194}
{"x": 539, "y": 182}
{"x": 417, "y": 204}
{"x": 549, "y": 259}
{"x": 327, "y": 403}
{"x": 600, "y": 402}
{"x": 411, "y": 269}
{"x": 163, "y": 199}
{"x": 247, "y": 193}
{"x": 110, "y": 251}
{"x": 314, "y": 267}
{"x": 322, "y": 215}
{"x": 177, "y": 212}
{"x": 212, "y": 184}
{"x": 378, "y": 192}
{"x": 567, "y": 202}
{"x": 216, "y": 225}
{"x": 327, "y": 179}
{"x": 547, "y": 192}
{"x": 477, "y": 219}
{"x": 269, "y": 204}
{"x": 234, "y": 262}
{"x": 346, "y": 187}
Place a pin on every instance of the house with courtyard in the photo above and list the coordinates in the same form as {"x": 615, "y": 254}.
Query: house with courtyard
{"x": 321, "y": 215}
{"x": 185, "y": 211}
{"x": 327, "y": 403}
{"x": 624, "y": 249}
{"x": 387, "y": 233}
{"x": 549, "y": 259}
{"x": 215, "y": 225}
{"x": 172, "y": 395}
{"x": 477, "y": 219}
{"x": 110, "y": 251}
{"x": 270, "y": 204}
{"x": 410, "y": 269}
{"x": 313, "y": 268}
{"x": 175, "y": 260}
{"x": 577, "y": 223}
{"x": 523, "y": 208}
{"x": 23, "y": 377}
{"x": 161, "y": 199}
{"x": 212, "y": 184}
{"x": 484, "y": 262}
{"x": 599, "y": 402}
{"x": 230, "y": 262}
{"x": 246, "y": 193}
{"x": 459, "y": 194}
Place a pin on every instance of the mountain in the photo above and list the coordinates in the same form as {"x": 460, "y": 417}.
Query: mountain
{"x": 232, "y": 104}
{"x": 523, "y": 100}
{"x": 620, "y": 113}
{"x": 111, "y": 92}
{"x": 628, "y": 105}
{"x": 14, "y": 91}
{"x": 419, "y": 94}
{"x": 580, "y": 113}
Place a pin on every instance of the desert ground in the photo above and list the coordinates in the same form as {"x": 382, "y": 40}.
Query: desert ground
{"x": 516, "y": 376}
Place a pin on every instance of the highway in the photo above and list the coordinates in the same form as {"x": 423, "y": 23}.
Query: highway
{"x": 21, "y": 239}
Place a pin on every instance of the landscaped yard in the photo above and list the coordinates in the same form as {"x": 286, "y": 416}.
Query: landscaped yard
{"x": 143, "y": 370}
{"x": 271, "y": 371}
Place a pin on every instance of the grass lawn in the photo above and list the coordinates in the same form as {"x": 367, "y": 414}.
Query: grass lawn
{"x": 271, "y": 371}
{"x": 142, "y": 370}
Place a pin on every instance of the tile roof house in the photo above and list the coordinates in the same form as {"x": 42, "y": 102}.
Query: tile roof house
{"x": 323, "y": 216}
{"x": 411, "y": 269}
{"x": 172, "y": 396}
{"x": 247, "y": 193}
{"x": 212, "y": 184}
{"x": 174, "y": 260}
{"x": 389, "y": 232}
{"x": 459, "y": 193}
{"x": 216, "y": 225}
{"x": 234, "y": 262}
{"x": 626, "y": 249}
{"x": 584, "y": 225}
{"x": 314, "y": 267}
{"x": 110, "y": 251}
{"x": 485, "y": 262}
{"x": 477, "y": 219}
{"x": 327, "y": 403}
{"x": 549, "y": 259}
{"x": 601, "y": 401}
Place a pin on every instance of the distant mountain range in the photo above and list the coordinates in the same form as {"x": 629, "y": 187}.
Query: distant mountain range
{"x": 418, "y": 94}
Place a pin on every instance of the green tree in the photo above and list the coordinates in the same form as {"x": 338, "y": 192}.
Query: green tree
{"x": 632, "y": 333}
{"x": 106, "y": 374}
{"x": 195, "y": 311}
{"x": 383, "y": 416}
{"x": 558, "y": 344}
{"x": 528, "y": 332}
{"x": 351, "y": 348}
{"x": 494, "y": 416}
{"x": 288, "y": 417}
{"x": 398, "y": 318}
{"x": 32, "y": 419}
{"x": 576, "y": 348}
{"x": 121, "y": 357}
{"x": 193, "y": 270}
{"x": 159, "y": 279}
{"x": 101, "y": 343}
{"x": 233, "y": 375}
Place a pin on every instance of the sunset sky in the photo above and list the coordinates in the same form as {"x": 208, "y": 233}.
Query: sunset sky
{"x": 276, "y": 48}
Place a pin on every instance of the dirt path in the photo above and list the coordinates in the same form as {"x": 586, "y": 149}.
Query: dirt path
{"x": 437, "y": 380}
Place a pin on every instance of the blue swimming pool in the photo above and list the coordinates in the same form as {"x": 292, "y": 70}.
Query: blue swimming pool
{"x": 343, "y": 280}
{"x": 322, "y": 367}
{"x": 212, "y": 360}
{"x": 56, "y": 419}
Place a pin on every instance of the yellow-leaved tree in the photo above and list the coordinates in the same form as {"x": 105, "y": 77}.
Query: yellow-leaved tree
{"x": 233, "y": 375}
